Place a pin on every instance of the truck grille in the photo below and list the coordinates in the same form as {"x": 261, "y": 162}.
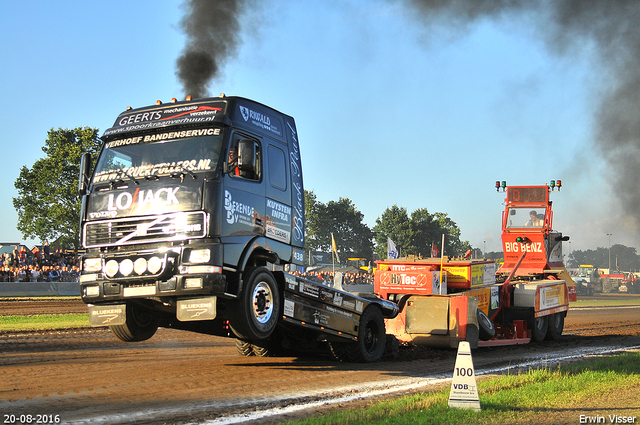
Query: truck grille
{"x": 135, "y": 230}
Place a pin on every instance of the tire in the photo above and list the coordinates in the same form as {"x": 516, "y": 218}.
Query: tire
{"x": 485, "y": 326}
{"x": 255, "y": 314}
{"x": 244, "y": 348}
{"x": 539, "y": 330}
{"x": 371, "y": 337}
{"x": 555, "y": 327}
{"x": 271, "y": 347}
{"x": 141, "y": 324}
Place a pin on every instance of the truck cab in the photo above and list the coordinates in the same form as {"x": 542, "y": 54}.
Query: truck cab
{"x": 532, "y": 248}
{"x": 186, "y": 206}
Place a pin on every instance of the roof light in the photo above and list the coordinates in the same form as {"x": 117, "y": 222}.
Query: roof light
{"x": 129, "y": 108}
{"x": 158, "y": 102}
{"x": 188, "y": 98}
{"x": 174, "y": 100}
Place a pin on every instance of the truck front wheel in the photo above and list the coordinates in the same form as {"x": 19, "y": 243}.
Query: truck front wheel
{"x": 256, "y": 312}
{"x": 141, "y": 324}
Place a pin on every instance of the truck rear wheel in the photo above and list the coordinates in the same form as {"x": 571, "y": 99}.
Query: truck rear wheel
{"x": 141, "y": 324}
{"x": 485, "y": 325}
{"x": 540, "y": 326}
{"x": 556, "y": 326}
{"x": 371, "y": 337}
{"x": 255, "y": 314}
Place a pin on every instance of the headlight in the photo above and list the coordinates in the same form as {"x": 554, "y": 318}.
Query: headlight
{"x": 126, "y": 267}
{"x": 111, "y": 268}
{"x": 92, "y": 291}
{"x": 92, "y": 265}
{"x": 140, "y": 266}
{"x": 155, "y": 264}
{"x": 200, "y": 256}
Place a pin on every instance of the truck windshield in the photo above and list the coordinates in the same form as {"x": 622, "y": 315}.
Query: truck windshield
{"x": 525, "y": 217}
{"x": 155, "y": 155}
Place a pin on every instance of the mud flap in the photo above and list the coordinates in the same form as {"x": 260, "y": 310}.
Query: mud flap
{"x": 196, "y": 309}
{"x": 107, "y": 315}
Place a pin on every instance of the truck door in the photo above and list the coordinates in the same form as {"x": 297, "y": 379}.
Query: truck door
{"x": 244, "y": 193}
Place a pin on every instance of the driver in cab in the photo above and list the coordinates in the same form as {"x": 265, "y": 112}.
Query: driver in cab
{"x": 534, "y": 221}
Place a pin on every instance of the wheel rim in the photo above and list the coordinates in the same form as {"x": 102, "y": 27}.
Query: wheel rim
{"x": 262, "y": 302}
{"x": 371, "y": 336}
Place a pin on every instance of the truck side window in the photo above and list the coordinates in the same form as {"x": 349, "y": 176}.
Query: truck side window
{"x": 245, "y": 158}
{"x": 277, "y": 167}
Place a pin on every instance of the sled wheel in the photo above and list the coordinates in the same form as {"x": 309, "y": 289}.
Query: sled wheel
{"x": 485, "y": 325}
{"x": 556, "y": 326}
{"x": 255, "y": 315}
{"x": 540, "y": 326}
{"x": 141, "y": 324}
{"x": 371, "y": 337}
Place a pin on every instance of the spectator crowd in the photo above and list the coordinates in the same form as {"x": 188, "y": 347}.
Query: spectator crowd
{"x": 39, "y": 265}
{"x": 326, "y": 277}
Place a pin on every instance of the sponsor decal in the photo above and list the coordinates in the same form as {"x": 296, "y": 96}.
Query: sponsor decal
{"x": 298, "y": 196}
{"x": 289, "y": 308}
{"x": 150, "y": 170}
{"x": 237, "y": 212}
{"x": 140, "y": 199}
{"x": 292, "y": 283}
{"x": 339, "y": 311}
{"x": 191, "y": 114}
{"x": 522, "y": 247}
{"x": 320, "y": 319}
{"x": 337, "y": 299}
{"x": 309, "y": 289}
{"x": 260, "y": 120}
{"x": 172, "y": 135}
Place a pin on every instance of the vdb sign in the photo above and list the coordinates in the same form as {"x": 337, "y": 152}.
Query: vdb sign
{"x": 464, "y": 390}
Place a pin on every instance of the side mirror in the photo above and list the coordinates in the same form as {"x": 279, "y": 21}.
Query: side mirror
{"x": 83, "y": 180}
{"x": 247, "y": 155}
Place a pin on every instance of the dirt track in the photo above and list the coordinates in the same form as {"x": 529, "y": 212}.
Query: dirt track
{"x": 87, "y": 373}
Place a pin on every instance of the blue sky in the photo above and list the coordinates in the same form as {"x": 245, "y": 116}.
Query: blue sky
{"x": 389, "y": 110}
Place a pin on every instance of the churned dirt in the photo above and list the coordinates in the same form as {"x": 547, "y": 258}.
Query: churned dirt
{"x": 89, "y": 376}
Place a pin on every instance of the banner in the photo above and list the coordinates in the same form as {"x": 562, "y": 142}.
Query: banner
{"x": 334, "y": 247}
{"x": 435, "y": 252}
{"x": 392, "y": 251}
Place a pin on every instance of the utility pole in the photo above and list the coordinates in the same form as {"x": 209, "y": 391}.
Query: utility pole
{"x": 609, "y": 234}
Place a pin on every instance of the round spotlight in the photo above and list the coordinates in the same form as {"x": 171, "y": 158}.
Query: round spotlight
{"x": 140, "y": 266}
{"x": 126, "y": 267}
{"x": 155, "y": 264}
{"x": 111, "y": 268}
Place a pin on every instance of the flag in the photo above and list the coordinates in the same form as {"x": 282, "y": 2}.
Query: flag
{"x": 434, "y": 251}
{"x": 392, "y": 251}
{"x": 334, "y": 247}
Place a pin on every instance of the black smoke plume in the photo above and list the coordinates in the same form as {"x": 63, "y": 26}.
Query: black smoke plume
{"x": 213, "y": 35}
{"x": 566, "y": 26}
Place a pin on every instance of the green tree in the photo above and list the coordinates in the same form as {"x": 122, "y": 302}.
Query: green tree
{"x": 394, "y": 224}
{"x": 623, "y": 258}
{"x": 342, "y": 218}
{"x": 415, "y": 235}
{"x": 47, "y": 203}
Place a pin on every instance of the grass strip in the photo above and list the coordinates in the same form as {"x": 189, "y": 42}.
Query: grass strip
{"x": 561, "y": 395}
{"x": 43, "y": 322}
